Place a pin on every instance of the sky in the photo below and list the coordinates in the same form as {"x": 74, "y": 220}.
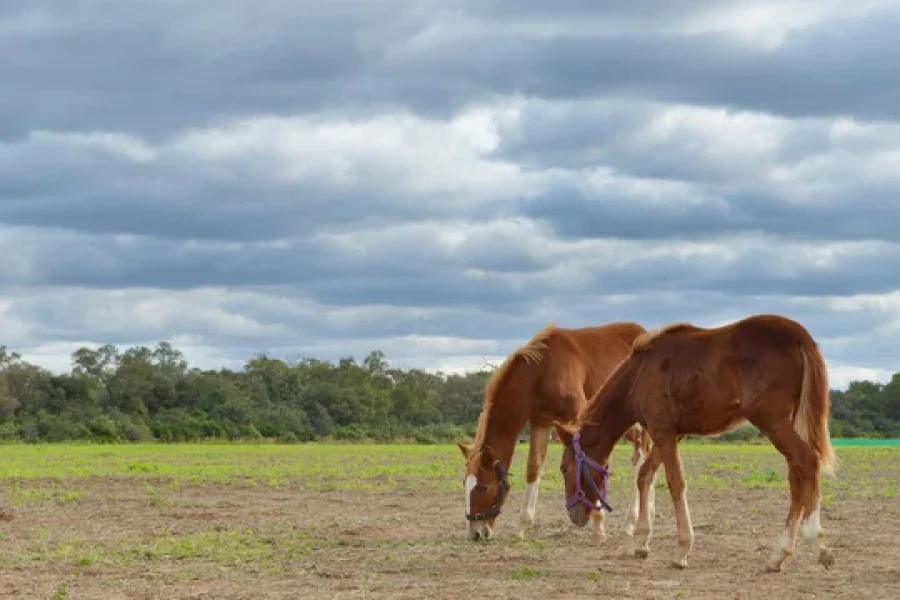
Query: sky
{"x": 439, "y": 179}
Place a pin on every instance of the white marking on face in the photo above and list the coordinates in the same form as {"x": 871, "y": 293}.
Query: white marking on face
{"x": 471, "y": 482}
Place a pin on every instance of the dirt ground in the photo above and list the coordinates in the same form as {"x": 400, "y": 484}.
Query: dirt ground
{"x": 134, "y": 539}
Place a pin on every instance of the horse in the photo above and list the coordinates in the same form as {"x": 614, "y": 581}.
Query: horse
{"x": 681, "y": 380}
{"x": 544, "y": 382}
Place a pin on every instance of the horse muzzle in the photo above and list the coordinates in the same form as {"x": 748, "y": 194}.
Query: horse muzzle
{"x": 479, "y": 531}
{"x": 578, "y": 515}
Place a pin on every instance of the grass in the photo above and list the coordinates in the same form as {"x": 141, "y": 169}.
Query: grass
{"x": 57, "y": 470}
{"x": 524, "y": 573}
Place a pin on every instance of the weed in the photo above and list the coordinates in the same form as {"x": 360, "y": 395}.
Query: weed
{"x": 61, "y": 593}
{"x": 524, "y": 573}
{"x": 157, "y": 498}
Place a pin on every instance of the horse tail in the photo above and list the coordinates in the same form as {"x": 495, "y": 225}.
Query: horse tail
{"x": 814, "y": 409}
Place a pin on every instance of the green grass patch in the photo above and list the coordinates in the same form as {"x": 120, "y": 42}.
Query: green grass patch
{"x": 524, "y": 573}
{"x": 51, "y": 473}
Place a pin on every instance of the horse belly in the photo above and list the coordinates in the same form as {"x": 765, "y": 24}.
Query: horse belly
{"x": 710, "y": 419}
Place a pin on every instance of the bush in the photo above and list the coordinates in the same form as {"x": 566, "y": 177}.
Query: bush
{"x": 350, "y": 433}
{"x": 104, "y": 430}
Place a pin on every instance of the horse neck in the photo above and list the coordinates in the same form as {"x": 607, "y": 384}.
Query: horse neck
{"x": 603, "y": 436}
{"x": 611, "y": 417}
{"x": 505, "y": 421}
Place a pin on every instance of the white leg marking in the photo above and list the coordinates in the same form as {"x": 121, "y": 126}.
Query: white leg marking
{"x": 537, "y": 454}
{"x": 812, "y": 527}
{"x": 686, "y": 531}
{"x": 785, "y": 546}
{"x": 636, "y": 505}
{"x": 531, "y": 499}
{"x": 599, "y": 517}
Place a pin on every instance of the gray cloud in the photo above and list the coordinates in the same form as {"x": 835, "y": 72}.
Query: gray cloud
{"x": 821, "y": 72}
{"x": 240, "y": 324}
{"x": 442, "y": 181}
{"x": 861, "y": 214}
{"x": 411, "y": 266}
{"x": 156, "y": 67}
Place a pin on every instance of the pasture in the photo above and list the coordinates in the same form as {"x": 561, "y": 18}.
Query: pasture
{"x": 364, "y": 521}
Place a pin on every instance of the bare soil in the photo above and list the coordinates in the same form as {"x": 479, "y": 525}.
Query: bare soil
{"x": 121, "y": 539}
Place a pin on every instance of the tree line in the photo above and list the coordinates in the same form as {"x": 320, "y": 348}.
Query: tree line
{"x": 152, "y": 394}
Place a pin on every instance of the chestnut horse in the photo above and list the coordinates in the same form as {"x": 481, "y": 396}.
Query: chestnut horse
{"x": 547, "y": 380}
{"x": 682, "y": 380}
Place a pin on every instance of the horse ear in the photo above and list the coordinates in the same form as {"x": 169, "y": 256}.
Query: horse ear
{"x": 487, "y": 457}
{"x": 466, "y": 450}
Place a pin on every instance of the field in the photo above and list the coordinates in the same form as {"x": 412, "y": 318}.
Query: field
{"x": 346, "y": 521}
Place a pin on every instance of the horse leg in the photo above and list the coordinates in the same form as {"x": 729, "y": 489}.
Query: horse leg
{"x": 635, "y": 505}
{"x": 668, "y": 447}
{"x": 639, "y": 457}
{"x": 803, "y": 468}
{"x": 812, "y": 528}
{"x": 537, "y": 454}
{"x": 646, "y": 502}
{"x": 598, "y": 516}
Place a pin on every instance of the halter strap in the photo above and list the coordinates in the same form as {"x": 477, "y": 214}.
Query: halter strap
{"x": 583, "y": 466}
{"x": 502, "y": 490}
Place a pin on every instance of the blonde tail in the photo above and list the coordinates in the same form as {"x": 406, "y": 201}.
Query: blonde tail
{"x": 814, "y": 409}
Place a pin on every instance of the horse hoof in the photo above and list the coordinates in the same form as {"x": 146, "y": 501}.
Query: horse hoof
{"x": 826, "y": 558}
{"x": 680, "y": 563}
{"x": 641, "y": 553}
{"x": 773, "y": 567}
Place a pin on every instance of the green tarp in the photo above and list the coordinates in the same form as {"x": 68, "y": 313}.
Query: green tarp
{"x": 864, "y": 442}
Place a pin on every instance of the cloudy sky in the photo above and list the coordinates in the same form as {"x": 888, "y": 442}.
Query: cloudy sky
{"x": 440, "y": 178}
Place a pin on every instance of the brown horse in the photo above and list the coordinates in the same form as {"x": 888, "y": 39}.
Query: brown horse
{"x": 682, "y": 380}
{"x": 545, "y": 381}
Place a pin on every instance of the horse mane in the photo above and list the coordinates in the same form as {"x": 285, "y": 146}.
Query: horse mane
{"x": 531, "y": 352}
{"x": 642, "y": 342}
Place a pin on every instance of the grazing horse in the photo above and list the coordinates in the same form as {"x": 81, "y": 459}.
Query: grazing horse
{"x": 682, "y": 380}
{"x": 544, "y": 382}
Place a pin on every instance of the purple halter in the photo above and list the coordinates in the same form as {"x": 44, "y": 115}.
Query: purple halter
{"x": 583, "y": 466}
